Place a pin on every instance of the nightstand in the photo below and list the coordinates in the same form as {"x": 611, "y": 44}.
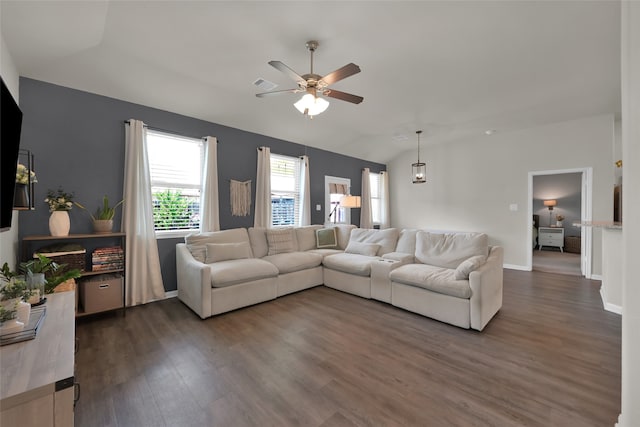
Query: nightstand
{"x": 551, "y": 236}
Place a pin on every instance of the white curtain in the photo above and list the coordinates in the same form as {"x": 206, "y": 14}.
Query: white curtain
{"x": 305, "y": 193}
{"x": 262, "y": 216}
{"x": 366, "y": 221}
{"x": 385, "y": 209}
{"x": 143, "y": 276}
{"x": 210, "y": 209}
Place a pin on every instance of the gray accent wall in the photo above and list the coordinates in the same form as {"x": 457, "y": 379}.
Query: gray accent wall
{"x": 78, "y": 142}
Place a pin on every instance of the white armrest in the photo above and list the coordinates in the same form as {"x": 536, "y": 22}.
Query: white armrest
{"x": 486, "y": 289}
{"x": 194, "y": 282}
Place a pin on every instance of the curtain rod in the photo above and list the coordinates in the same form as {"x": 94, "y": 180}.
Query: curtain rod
{"x": 168, "y": 131}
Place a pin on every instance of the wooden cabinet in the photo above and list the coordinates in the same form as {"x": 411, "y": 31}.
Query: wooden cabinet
{"x": 94, "y": 240}
{"x": 551, "y": 236}
{"x": 37, "y": 378}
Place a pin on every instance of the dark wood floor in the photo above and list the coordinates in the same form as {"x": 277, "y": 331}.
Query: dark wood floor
{"x": 551, "y": 357}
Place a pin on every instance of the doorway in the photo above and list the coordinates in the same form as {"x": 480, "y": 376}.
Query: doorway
{"x": 557, "y": 200}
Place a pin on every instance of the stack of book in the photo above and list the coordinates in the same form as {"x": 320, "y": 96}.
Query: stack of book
{"x": 105, "y": 259}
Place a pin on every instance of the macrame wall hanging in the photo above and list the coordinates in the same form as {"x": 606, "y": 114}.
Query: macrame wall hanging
{"x": 240, "y": 197}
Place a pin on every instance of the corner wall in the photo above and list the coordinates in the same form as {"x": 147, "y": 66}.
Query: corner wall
{"x": 471, "y": 184}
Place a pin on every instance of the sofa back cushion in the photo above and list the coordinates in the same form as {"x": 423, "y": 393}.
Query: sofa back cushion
{"x": 217, "y": 252}
{"x": 258, "y": 240}
{"x": 196, "y": 243}
{"x": 448, "y": 250}
{"x": 407, "y": 241}
{"x": 306, "y": 237}
{"x": 387, "y": 238}
{"x": 281, "y": 240}
{"x": 343, "y": 232}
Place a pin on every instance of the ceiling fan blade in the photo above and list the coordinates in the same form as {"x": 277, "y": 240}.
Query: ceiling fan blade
{"x": 289, "y": 72}
{"x": 340, "y": 73}
{"x": 277, "y": 92}
{"x": 343, "y": 96}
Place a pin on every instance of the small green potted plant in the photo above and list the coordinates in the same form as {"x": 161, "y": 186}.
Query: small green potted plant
{"x": 103, "y": 218}
{"x": 45, "y": 274}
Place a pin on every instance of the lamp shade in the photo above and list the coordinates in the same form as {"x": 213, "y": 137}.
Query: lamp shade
{"x": 313, "y": 105}
{"x": 550, "y": 203}
{"x": 350, "y": 201}
{"x": 419, "y": 172}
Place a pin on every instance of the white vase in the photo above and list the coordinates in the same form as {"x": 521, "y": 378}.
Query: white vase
{"x": 59, "y": 223}
{"x": 102, "y": 226}
{"x": 558, "y": 223}
{"x": 23, "y": 312}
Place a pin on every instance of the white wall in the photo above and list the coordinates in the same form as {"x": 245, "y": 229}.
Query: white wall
{"x": 472, "y": 183}
{"x": 9, "y": 238}
{"x": 630, "y": 416}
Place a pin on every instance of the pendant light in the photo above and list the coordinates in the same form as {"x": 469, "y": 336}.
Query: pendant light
{"x": 419, "y": 169}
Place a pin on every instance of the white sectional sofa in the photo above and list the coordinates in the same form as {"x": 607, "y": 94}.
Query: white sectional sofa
{"x": 452, "y": 277}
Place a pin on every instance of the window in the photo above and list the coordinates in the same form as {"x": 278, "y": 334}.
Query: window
{"x": 376, "y": 198}
{"x": 176, "y": 165}
{"x": 285, "y": 190}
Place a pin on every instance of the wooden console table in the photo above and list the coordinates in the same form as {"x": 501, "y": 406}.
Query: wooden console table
{"x": 37, "y": 378}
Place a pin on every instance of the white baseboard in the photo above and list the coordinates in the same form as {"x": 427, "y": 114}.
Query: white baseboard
{"x": 516, "y": 267}
{"x": 607, "y": 305}
{"x": 171, "y": 294}
{"x": 596, "y": 277}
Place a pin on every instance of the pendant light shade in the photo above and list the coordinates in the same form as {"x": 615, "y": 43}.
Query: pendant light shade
{"x": 419, "y": 169}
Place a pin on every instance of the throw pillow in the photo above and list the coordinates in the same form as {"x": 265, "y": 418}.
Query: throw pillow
{"x": 467, "y": 266}
{"x": 369, "y": 249}
{"x": 217, "y": 252}
{"x": 281, "y": 240}
{"x": 199, "y": 252}
{"x": 326, "y": 238}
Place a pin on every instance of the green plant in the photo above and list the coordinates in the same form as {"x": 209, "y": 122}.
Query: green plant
{"x": 54, "y": 273}
{"x": 7, "y": 314}
{"x": 59, "y": 200}
{"x": 6, "y": 272}
{"x": 104, "y": 212}
{"x": 16, "y": 288}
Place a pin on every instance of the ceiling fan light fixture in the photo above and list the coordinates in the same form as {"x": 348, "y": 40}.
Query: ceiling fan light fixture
{"x": 311, "y": 105}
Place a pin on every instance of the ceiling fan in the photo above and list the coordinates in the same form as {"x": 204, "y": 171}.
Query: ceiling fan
{"x": 314, "y": 85}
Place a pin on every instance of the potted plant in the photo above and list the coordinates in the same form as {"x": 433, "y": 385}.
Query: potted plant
{"x": 559, "y": 219}
{"x": 15, "y": 294}
{"x": 53, "y": 273}
{"x": 24, "y": 179}
{"x": 59, "y": 203}
{"x": 103, "y": 218}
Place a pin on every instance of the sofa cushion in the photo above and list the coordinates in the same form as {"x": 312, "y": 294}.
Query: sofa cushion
{"x": 326, "y": 238}
{"x": 407, "y": 241}
{"x": 467, "y": 266}
{"x": 198, "y": 252}
{"x": 281, "y": 240}
{"x": 368, "y": 249}
{"x": 359, "y": 265}
{"x": 387, "y": 238}
{"x": 343, "y": 231}
{"x": 196, "y": 242}
{"x": 294, "y": 261}
{"x": 436, "y": 279}
{"x": 326, "y": 252}
{"x": 258, "y": 240}
{"x": 306, "y": 237}
{"x": 232, "y": 272}
{"x": 448, "y": 250}
{"x": 399, "y": 256}
{"x": 217, "y": 252}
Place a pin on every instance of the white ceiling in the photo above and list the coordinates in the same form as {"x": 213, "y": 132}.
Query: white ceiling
{"x": 452, "y": 68}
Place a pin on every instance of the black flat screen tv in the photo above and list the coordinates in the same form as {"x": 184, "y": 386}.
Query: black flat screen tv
{"x": 10, "y": 129}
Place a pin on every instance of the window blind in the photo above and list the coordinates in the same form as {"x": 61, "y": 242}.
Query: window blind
{"x": 285, "y": 190}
